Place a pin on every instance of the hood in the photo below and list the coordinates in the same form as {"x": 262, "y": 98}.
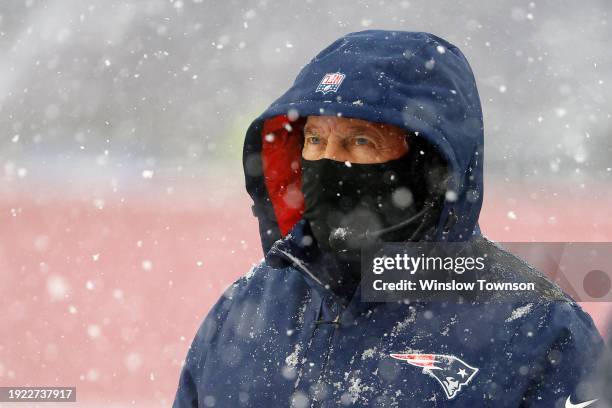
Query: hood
{"x": 414, "y": 80}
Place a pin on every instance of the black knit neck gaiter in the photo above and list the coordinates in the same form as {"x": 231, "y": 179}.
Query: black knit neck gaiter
{"x": 352, "y": 203}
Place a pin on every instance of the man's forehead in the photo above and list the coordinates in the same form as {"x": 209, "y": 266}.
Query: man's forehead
{"x": 319, "y": 121}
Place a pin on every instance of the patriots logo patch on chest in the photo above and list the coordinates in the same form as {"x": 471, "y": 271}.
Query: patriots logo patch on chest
{"x": 451, "y": 372}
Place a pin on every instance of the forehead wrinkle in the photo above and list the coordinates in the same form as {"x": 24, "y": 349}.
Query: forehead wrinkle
{"x": 348, "y": 130}
{"x": 312, "y": 125}
{"x": 347, "y": 127}
{"x": 375, "y": 130}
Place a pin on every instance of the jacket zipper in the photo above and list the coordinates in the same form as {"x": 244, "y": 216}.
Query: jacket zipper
{"x": 335, "y": 322}
{"x": 316, "y": 403}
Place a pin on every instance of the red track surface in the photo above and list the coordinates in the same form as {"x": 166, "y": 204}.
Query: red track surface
{"x": 109, "y": 299}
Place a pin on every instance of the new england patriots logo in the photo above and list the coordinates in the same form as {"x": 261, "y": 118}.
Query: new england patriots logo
{"x": 451, "y": 372}
{"x": 330, "y": 82}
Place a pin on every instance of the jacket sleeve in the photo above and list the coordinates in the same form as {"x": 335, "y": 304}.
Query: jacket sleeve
{"x": 567, "y": 361}
{"x": 191, "y": 373}
{"x": 187, "y": 392}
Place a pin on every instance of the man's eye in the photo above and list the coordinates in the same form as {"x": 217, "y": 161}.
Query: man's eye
{"x": 362, "y": 141}
{"x": 313, "y": 139}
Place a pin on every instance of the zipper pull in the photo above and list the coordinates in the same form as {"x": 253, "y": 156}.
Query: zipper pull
{"x": 336, "y": 321}
{"x": 334, "y": 308}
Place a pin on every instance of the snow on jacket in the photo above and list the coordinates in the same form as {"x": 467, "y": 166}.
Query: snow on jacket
{"x": 278, "y": 338}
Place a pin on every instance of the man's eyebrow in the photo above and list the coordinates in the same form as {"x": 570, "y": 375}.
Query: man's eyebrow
{"x": 359, "y": 127}
{"x": 364, "y": 128}
{"x": 310, "y": 128}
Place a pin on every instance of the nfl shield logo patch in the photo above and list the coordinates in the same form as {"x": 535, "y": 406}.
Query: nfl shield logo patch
{"x": 330, "y": 82}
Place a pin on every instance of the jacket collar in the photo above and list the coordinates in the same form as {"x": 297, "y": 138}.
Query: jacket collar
{"x": 319, "y": 269}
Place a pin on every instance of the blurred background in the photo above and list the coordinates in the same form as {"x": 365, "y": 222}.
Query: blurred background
{"x": 123, "y": 212}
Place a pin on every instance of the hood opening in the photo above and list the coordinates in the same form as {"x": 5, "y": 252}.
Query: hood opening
{"x": 281, "y": 148}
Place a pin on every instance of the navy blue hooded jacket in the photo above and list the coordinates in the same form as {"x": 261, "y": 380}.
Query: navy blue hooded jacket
{"x": 278, "y": 337}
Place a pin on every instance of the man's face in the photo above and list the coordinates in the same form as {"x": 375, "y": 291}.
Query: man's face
{"x": 352, "y": 140}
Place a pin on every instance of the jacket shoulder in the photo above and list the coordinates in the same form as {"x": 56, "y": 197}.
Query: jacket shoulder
{"x": 507, "y": 267}
{"x": 248, "y": 283}
{"x": 246, "y": 286}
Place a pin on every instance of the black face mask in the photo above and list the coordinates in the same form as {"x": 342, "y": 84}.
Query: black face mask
{"x": 349, "y": 204}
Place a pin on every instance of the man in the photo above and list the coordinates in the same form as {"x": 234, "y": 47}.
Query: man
{"x": 379, "y": 139}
